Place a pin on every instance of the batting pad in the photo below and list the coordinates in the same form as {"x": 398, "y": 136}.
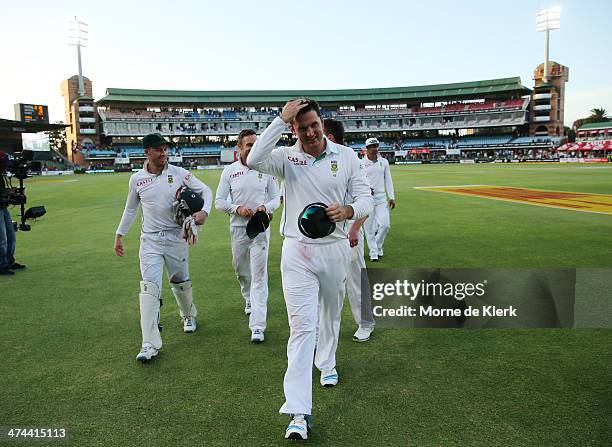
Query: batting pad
{"x": 183, "y": 293}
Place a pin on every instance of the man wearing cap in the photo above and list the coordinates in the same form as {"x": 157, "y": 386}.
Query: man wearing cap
{"x": 249, "y": 197}
{"x": 378, "y": 224}
{"x": 325, "y": 184}
{"x": 162, "y": 240}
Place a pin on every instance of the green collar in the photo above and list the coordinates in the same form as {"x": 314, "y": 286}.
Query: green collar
{"x": 320, "y": 157}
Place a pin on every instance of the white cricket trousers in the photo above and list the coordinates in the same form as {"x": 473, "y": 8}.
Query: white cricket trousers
{"x": 250, "y": 262}
{"x": 361, "y": 313}
{"x": 377, "y": 226}
{"x": 164, "y": 248}
{"x": 311, "y": 274}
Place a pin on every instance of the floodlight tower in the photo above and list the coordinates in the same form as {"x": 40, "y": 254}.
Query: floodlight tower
{"x": 547, "y": 20}
{"x": 83, "y": 131}
{"x": 547, "y": 105}
{"x": 78, "y": 38}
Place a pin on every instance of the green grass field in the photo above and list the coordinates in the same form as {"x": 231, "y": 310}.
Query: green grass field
{"x": 70, "y": 330}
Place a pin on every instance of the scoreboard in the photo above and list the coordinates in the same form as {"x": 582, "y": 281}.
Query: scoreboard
{"x": 32, "y": 113}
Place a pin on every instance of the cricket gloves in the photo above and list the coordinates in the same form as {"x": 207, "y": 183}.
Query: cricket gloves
{"x": 190, "y": 230}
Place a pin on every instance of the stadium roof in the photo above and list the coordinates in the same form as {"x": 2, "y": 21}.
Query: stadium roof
{"x": 596, "y": 126}
{"x": 248, "y": 97}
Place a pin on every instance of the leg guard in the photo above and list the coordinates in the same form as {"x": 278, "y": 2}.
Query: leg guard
{"x": 184, "y": 298}
{"x": 149, "y": 313}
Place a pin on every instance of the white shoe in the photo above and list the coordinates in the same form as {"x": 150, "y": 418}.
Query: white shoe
{"x": 247, "y": 308}
{"x": 189, "y": 324}
{"x": 257, "y": 336}
{"x": 147, "y": 352}
{"x": 362, "y": 334}
{"x": 329, "y": 378}
{"x": 374, "y": 258}
{"x": 299, "y": 427}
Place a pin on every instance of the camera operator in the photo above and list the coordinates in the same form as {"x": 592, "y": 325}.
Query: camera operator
{"x": 7, "y": 231}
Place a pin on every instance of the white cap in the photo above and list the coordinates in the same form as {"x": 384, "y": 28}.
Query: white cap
{"x": 371, "y": 142}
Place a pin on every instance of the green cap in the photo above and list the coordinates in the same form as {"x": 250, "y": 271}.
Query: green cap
{"x": 154, "y": 140}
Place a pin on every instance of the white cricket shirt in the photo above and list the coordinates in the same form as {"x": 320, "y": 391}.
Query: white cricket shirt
{"x": 379, "y": 176}
{"x": 156, "y": 193}
{"x": 242, "y": 186}
{"x": 336, "y": 176}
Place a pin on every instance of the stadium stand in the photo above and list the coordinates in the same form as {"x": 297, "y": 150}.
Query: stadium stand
{"x": 594, "y": 131}
{"x": 491, "y": 112}
{"x": 483, "y": 140}
{"x": 434, "y": 142}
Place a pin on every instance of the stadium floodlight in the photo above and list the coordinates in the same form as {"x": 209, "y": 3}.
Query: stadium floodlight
{"x": 546, "y": 20}
{"x": 78, "y": 38}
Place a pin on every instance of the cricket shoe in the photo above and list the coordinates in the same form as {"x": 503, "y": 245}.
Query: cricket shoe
{"x": 247, "y": 308}
{"x": 362, "y": 334}
{"x": 147, "y": 352}
{"x": 189, "y": 324}
{"x": 257, "y": 336}
{"x": 329, "y": 378}
{"x": 374, "y": 258}
{"x": 299, "y": 427}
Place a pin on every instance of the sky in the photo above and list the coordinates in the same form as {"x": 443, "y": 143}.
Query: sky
{"x": 267, "y": 45}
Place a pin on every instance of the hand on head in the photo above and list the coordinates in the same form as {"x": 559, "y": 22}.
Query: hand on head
{"x": 291, "y": 109}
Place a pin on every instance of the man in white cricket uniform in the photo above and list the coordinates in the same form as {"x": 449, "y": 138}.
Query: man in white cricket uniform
{"x": 241, "y": 193}
{"x": 378, "y": 224}
{"x": 161, "y": 242}
{"x": 362, "y": 312}
{"x": 313, "y": 270}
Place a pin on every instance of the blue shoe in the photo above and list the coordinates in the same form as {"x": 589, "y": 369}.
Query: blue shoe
{"x": 299, "y": 427}
{"x": 329, "y": 378}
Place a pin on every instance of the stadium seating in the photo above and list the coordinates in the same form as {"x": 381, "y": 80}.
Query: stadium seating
{"x": 101, "y": 153}
{"x": 459, "y": 107}
{"x": 433, "y": 142}
{"x": 522, "y": 140}
{"x": 212, "y": 149}
{"x": 473, "y": 140}
{"x": 129, "y": 150}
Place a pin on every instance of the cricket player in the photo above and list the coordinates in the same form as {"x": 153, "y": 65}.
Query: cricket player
{"x": 241, "y": 193}
{"x": 362, "y": 312}
{"x": 379, "y": 176}
{"x": 314, "y": 267}
{"x": 161, "y": 242}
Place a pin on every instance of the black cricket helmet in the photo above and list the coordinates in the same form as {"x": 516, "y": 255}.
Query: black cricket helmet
{"x": 188, "y": 202}
{"x": 258, "y": 223}
{"x": 314, "y": 223}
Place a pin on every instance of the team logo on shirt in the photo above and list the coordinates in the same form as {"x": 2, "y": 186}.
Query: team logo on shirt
{"x": 334, "y": 167}
{"x": 260, "y": 175}
{"x": 170, "y": 179}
